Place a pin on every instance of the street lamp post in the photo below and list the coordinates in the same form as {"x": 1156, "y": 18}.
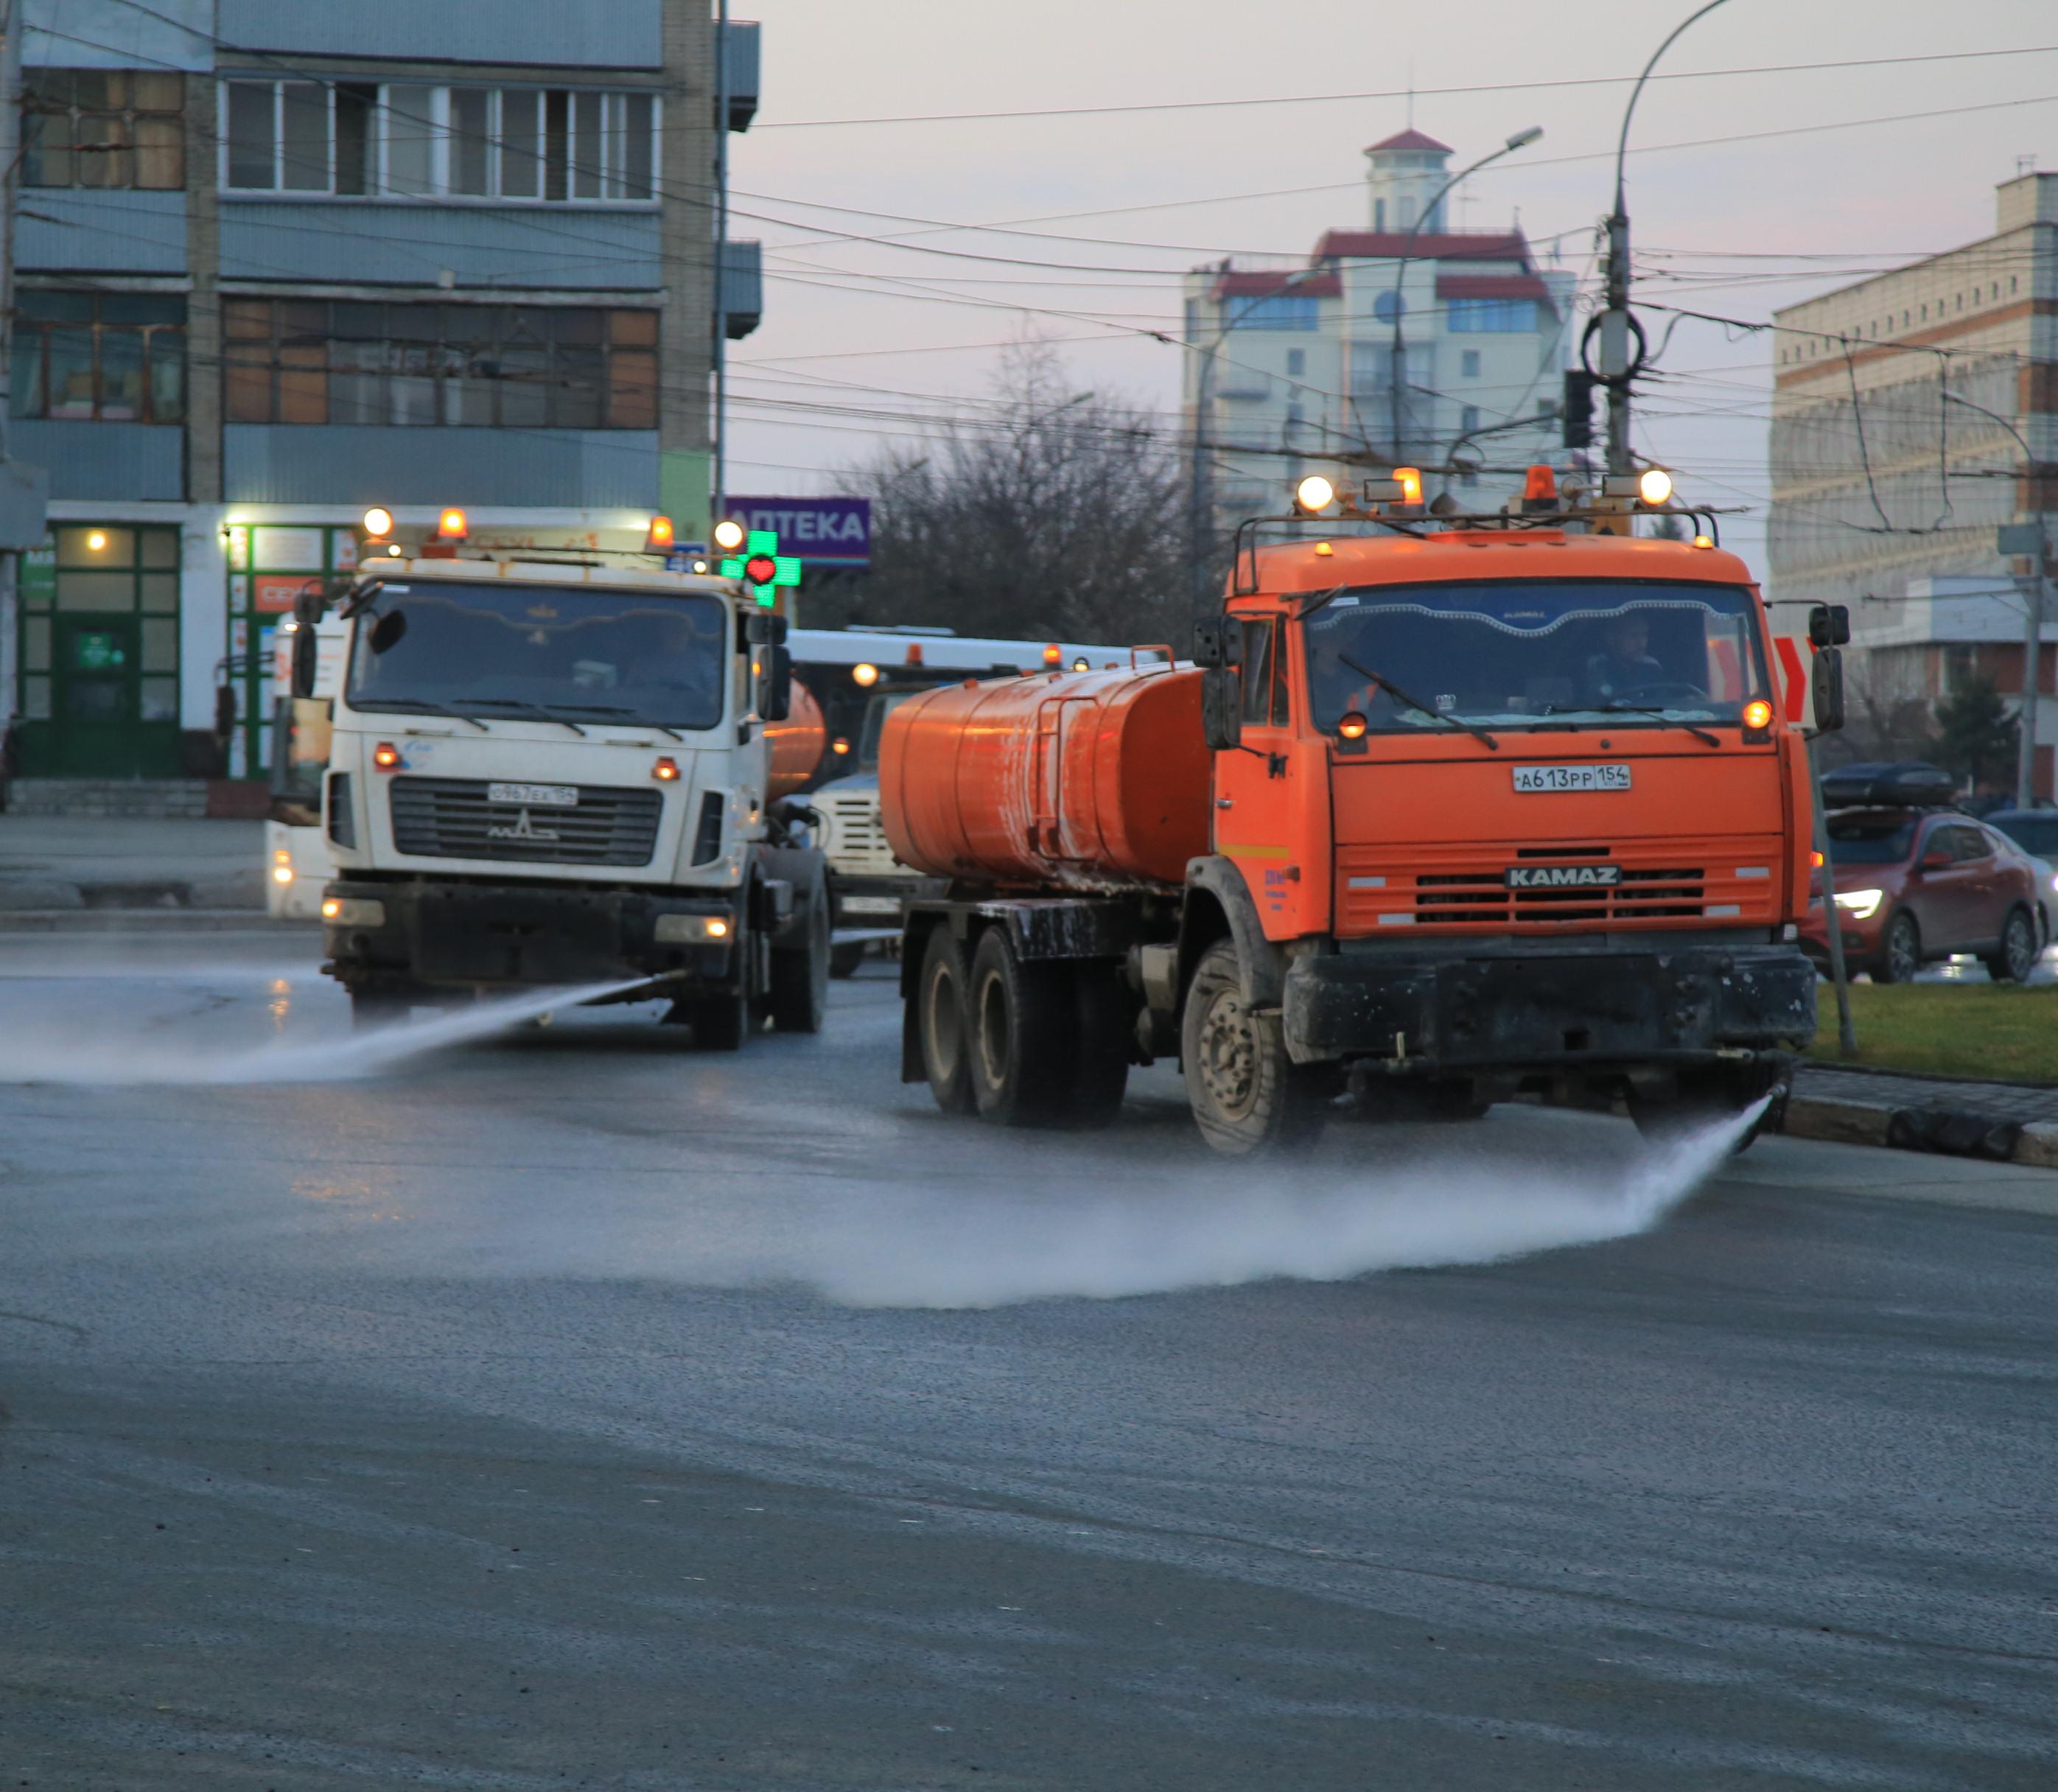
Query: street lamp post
{"x": 1198, "y": 493}
{"x": 1614, "y": 320}
{"x": 2032, "y": 636}
{"x": 1521, "y": 140}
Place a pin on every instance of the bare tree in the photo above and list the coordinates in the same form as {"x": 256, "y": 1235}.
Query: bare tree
{"x": 1047, "y": 513}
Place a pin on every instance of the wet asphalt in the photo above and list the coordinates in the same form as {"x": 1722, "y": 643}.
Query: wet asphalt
{"x": 567, "y": 1409}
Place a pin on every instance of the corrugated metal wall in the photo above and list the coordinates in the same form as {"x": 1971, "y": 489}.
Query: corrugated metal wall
{"x": 587, "y": 34}
{"x": 104, "y": 461}
{"x": 354, "y": 464}
{"x": 412, "y": 245}
{"x": 117, "y": 34}
{"x": 61, "y": 228}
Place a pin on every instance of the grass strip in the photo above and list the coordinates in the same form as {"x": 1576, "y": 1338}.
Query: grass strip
{"x": 1999, "y": 1031}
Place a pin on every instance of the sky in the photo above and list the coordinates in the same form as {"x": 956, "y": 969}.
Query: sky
{"x": 1781, "y": 186}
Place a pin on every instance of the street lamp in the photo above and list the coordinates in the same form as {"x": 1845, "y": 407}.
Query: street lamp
{"x": 1614, "y": 320}
{"x": 2032, "y": 636}
{"x": 1203, "y": 410}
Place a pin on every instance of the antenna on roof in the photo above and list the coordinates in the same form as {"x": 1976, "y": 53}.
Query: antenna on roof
{"x": 1411, "y": 94}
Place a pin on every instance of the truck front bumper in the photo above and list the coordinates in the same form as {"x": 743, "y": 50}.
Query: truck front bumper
{"x": 1669, "y": 1008}
{"x": 483, "y": 936}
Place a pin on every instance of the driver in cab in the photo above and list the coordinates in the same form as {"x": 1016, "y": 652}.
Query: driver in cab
{"x": 1624, "y": 664}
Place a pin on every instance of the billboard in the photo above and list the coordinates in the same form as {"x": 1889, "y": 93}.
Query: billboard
{"x": 816, "y": 531}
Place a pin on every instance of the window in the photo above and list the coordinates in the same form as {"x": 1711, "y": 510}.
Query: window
{"x": 298, "y": 361}
{"x": 1468, "y": 420}
{"x": 96, "y": 128}
{"x": 396, "y": 142}
{"x": 1468, "y": 364}
{"x": 1483, "y": 316}
{"x": 1296, "y": 363}
{"x": 101, "y": 357}
{"x": 1264, "y": 682}
{"x": 1281, "y": 311}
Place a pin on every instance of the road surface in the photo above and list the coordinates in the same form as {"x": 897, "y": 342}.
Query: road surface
{"x": 566, "y": 1408}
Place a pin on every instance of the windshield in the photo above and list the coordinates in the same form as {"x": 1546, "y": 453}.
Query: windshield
{"x": 566, "y": 652}
{"x": 1870, "y": 840}
{"x": 1506, "y": 653}
{"x": 2034, "y": 833}
{"x": 882, "y": 705}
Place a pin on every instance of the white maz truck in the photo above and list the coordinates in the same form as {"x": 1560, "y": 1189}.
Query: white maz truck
{"x": 547, "y": 774}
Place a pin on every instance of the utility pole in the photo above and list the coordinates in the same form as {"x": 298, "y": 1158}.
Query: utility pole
{"x": 1616, "y": 328}
{"x": 718, "y": 487}
{"x": 10, "y": 175}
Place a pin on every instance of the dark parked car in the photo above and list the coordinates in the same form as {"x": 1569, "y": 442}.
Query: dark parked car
{"x": 1914, "y": 885}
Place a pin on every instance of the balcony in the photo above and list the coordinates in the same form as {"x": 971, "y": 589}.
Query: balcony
{"x": 353, "y": 465}
{"x": 585, "y": 33}
{"x": 742, "y": 289}
{"x": 107, "y": 462}
{"x": 740, "y": 73}
{"x": 69, "y": 229}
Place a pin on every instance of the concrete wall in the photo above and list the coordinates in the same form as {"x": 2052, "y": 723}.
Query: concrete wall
{"x": 358, "y": 464}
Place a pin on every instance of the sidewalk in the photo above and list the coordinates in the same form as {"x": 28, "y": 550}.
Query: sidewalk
{"x": 2007, "y": 1122}
{"x": 60, "y": 864}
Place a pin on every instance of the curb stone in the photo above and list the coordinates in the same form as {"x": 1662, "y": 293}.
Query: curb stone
{"x": 1856, "y": 1122}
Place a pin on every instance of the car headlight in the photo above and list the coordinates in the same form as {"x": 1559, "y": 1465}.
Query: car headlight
{"x": 1861, "y": 905}
{"x": 692, "y": 930}
{"x": 353, "y": 912}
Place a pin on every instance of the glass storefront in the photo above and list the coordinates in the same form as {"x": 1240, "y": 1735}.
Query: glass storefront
{"x": 97, "y": 655}
{"x": 269, "y": 564}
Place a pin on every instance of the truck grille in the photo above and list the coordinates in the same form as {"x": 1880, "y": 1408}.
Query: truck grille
{"x": 857, "y": 844}
{"x": 1381, "y": 888}
{"x": 451, "y": 818}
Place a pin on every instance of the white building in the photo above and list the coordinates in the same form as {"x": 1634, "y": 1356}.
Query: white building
{"x": 1293, "y": 366}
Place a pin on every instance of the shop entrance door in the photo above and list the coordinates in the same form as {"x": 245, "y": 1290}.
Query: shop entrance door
{"x": 96, "y": 698}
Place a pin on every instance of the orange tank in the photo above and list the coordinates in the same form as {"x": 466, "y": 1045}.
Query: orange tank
{"x": 796, "y": 743}
{"x": 1089, "y": 780}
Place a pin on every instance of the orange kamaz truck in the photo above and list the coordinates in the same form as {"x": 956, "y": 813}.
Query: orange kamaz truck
{"x": 1447, "y": 811}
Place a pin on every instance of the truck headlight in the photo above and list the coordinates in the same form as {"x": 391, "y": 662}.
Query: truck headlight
{"x": 692, "y": 930}
{"x": 1861, "y": 905}
{"x": 353, "y": 912}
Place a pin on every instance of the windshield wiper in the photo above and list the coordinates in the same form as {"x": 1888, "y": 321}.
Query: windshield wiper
{"x": 614, "y": 710}
{"x": 421, "y": 706}
{"x": 528, "y": 709}
{"x": 1387, "y": 684}
{"x": 1644, "y": 710}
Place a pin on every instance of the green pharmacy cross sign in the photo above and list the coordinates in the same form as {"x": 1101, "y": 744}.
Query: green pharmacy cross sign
{"x": 765, "y": 543}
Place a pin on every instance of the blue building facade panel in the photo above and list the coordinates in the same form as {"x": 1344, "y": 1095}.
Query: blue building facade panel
{"x": 66, "y": 229}
{"x": 414, "y": 244}
{"x": 359, "y": 464}
{"x": 104, "y": 462}
{"x": 563, "y": 33}
{"x": 117, "y": 34}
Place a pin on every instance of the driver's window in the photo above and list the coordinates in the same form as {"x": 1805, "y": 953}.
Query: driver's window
{"x": 1257, "y": 672}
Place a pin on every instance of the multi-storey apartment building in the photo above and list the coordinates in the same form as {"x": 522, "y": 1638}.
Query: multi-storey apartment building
{"x": 280, "y": 259}
{"x": 1293, "y": 366}
{"x": 1898, "y": 401}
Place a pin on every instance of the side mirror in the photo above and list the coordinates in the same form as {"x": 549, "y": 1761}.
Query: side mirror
{"x": 1214, "y": 643}
{"x": 307, "y": 657}
{"x": 775, "y": 695}
{"x": 1222, "y": 707}
{"x": 1829, "y": 626}
{"x": 309, "y": 601}
{"x": 1828, "y": 680}
{"x": 1936, "y": 860}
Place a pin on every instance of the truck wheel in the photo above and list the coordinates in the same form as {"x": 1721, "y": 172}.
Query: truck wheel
{"x": 844, "y": 959}
{"x": 378, "y": 1008}
{"x": 939, "y": 1018}
{"x": 2018, "y": 954}
{"x": 1102, "y": 1027}
{"x": 719, "y": 1023}
{"x": 1020, "y": 1054}
{"x": 1246, "y": 1094}
{"x": 801, "y": 978}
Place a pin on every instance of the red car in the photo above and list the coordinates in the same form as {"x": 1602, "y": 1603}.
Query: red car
{"x": 1915, "y": 885}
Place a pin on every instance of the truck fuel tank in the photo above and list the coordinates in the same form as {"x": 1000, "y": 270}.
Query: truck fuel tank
{"x": 1087, "y": 780}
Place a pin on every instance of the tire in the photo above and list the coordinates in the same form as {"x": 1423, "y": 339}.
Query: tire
{"x": 719, "y": 1023}
{"x": 1020, "y": 1039}
{"x": 2016, "y": 958}
{"x": 844, "y": 959}
{"x": 940, "y": 1023}
{"x": 1901, "y": 956}
{"x": 371, "y": 1009}
{"x": 799, "y": 994}
{"x": 1247, "y": 1096}
{"x": 1103, "y": 1022}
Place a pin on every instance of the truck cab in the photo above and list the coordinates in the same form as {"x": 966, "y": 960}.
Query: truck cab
{"x": 557, "y": 773}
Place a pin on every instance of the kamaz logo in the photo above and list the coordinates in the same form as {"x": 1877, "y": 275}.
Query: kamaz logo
{"x": 522, "y": 829}
{"x": 1563, "y": 877}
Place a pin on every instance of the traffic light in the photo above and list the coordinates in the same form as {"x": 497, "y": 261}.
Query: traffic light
{"x": 1577, "y": 412}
